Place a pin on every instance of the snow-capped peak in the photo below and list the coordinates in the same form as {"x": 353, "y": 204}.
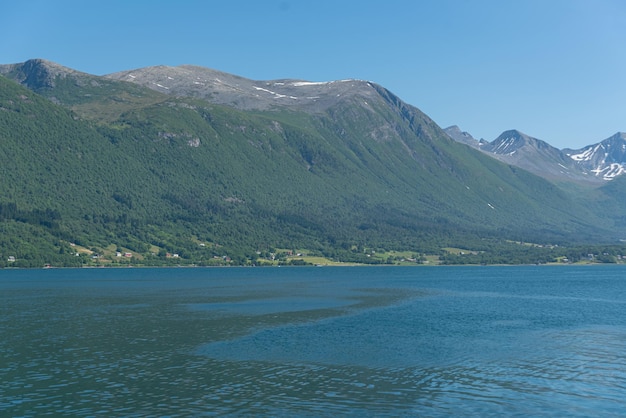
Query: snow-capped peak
{"x": 606, "y": 159}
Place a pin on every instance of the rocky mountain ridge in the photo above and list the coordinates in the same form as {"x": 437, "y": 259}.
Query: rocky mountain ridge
{"x": 606, "y": 159}
{"x": 592, "y": 164}
{"x": 37, "y": 73}
{"x": 242, "y": 93}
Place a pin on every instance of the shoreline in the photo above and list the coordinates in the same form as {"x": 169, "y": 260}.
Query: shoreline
{"x": 334, "y": 265}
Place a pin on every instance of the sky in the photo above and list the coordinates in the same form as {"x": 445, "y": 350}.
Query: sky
{"x": 553, "y": 69}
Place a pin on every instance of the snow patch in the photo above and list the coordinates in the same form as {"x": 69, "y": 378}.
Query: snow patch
{"x": 503, "y": 147}
{"x": 320, "y": 83}
{"x": 276, "y": 95}
{"x": 609, "y": 172}
{"x": 310, "y": 83}
{"x": 586, "y": 155}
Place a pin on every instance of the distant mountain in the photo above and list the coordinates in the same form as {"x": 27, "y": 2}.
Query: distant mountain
{"x": 463, "y": 137}
{"x": 163, "y": 159}
{"x": 536, "y": 156}
{"x": 605, "y": 160}
{"x": 592, "y": 164}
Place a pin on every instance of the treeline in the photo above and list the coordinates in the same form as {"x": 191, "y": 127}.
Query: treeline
{"x": 532, "y": 254}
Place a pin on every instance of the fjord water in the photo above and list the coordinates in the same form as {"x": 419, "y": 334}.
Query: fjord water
{"x": 359, "y": 341}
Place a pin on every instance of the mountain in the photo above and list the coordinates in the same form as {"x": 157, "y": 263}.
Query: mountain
{"x": 94, "y": 97}
{"x": 39, "y": 74}
{"x": 606, "y": 160}
{"x": 512, "y": 147}
{"x": 124, "y": 163}
{"x": 590, "y": 165}
{"x": 244, "y": 94}
{"x": 463, "y": 137}
{"x": 536, "y": 156}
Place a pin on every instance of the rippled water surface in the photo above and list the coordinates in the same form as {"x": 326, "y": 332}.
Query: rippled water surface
{"x": 462, "y": 341}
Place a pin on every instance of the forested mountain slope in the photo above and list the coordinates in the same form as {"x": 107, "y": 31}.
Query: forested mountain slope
{"x": 103, "y": 163}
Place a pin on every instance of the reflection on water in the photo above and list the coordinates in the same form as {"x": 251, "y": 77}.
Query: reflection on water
{"x": 313, "y": 342}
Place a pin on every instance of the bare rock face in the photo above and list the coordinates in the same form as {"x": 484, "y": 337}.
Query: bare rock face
{"x": 606, "y": 159}
{"x": 463, "y": 137}
{"x": 595, "y": 163}
{"x": 37, "y": 74}
{"x": 243, "y": 93}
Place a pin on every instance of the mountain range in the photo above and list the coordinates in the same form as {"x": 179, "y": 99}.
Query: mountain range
{"x": 209, "y": 167}
{"x": 595, "y": 163}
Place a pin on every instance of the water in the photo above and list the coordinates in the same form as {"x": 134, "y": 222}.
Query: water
{"x": 371, "y": 341}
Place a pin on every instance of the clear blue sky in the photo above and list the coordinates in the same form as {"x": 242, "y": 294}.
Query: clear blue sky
{"x": 554, "y": 69}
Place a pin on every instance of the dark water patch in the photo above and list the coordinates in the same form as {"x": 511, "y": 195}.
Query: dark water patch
{"x": 268, "y": 306}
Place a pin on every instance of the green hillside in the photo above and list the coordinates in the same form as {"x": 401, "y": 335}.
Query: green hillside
{"x": 106, "y": 166}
